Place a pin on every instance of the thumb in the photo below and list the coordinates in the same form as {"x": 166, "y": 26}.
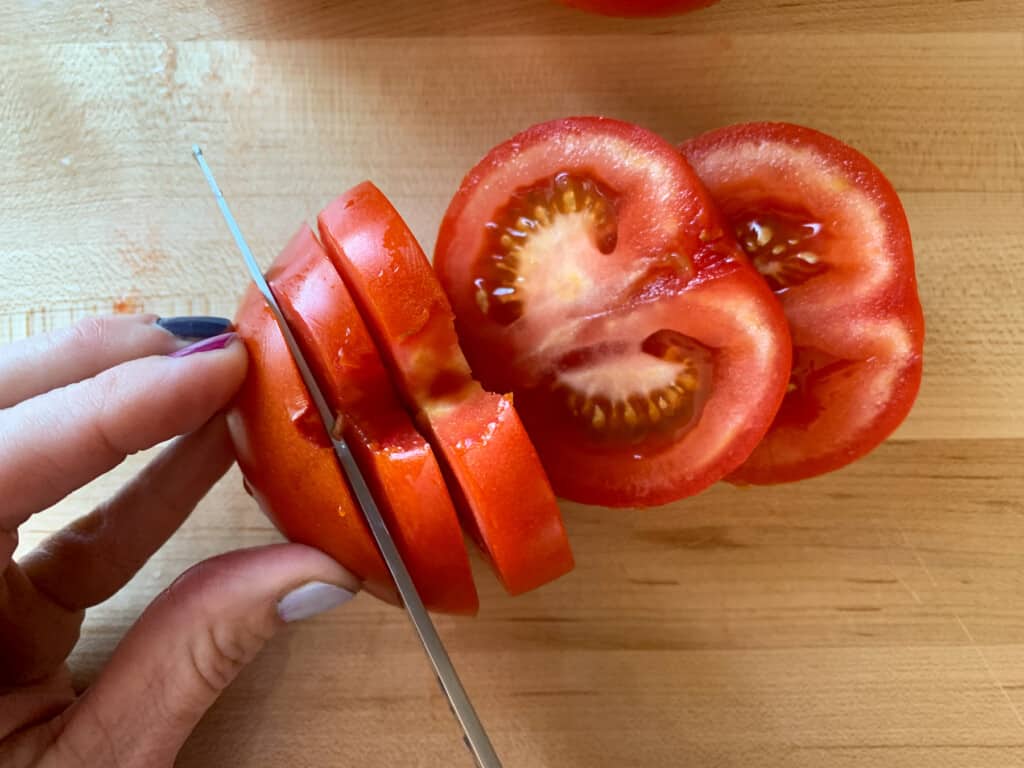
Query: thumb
{"x": 190, "y": 644}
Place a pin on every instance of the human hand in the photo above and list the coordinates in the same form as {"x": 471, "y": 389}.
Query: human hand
{"x": 74, "y": 404}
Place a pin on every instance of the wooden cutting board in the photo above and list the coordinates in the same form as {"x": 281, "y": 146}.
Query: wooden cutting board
{"x": 874, "y": 617}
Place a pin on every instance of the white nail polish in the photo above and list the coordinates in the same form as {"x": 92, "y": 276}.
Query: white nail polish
{"x": 311, "y": 599}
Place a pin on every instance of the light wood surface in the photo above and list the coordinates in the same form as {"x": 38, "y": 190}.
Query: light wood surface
{"x": 874, "y": 617}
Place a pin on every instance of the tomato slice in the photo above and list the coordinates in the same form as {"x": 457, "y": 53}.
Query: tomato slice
{"x": 399, "y": 466}
{"x": 637, "y": 8}
{"x": 591, "y": 274}
{"x": 286, "y": 457}
{"x": 828, "y": 233}
{"x": 495, "y": 476}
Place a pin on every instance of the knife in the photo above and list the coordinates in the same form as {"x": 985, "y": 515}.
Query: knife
{"x": 474, "y": 735}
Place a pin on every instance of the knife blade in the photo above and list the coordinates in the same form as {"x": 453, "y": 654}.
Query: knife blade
{"x": 474, "y": 734}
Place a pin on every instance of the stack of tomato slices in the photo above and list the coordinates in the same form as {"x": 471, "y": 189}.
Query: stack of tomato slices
{"x": 623, "y": 290}
{"x": 379, "y": 335}
{"x": 744, "y": 309}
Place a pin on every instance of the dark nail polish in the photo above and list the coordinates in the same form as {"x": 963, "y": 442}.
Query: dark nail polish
{"x": 195, "y": 327}
{"x": 206, "y": 345}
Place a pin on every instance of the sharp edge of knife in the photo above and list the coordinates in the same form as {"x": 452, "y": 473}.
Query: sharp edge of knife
{"x": 474, "y": 735}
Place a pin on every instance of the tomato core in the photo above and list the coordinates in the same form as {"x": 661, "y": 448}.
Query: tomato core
{"x": 568, "y": 215}
{"x": 784, "y": 246}
{"x": 628, "y": 393}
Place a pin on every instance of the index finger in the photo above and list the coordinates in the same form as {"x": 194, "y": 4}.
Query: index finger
{"x": 40, "y": 363}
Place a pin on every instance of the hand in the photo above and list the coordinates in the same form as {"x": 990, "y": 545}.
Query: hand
{"x": 74, "y": 404}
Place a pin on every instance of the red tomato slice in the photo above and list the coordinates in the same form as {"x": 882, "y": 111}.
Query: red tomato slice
{"x": 591, "y": 274}
{"x": 286, "y": 457}
{"x": 399, "y": 466}
{"x": 827, "y": 231}
{"x": 496, "y": 478}
{"x": 636, "y": 8}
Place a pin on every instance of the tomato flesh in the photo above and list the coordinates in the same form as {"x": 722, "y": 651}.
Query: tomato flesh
{"x": 591, "y": 274}
{"x": 399, "y": 466}
{"x": 285, "y": 455}
{"x": 495, "y": 476}
{"x": 827, "y": 231}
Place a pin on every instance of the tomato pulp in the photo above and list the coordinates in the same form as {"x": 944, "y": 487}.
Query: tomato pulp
{"x": 284, "y": 452}
{"x": 399, "y": 466}
{"x": 827, "y": 231}
{"x": 592, "y": 275}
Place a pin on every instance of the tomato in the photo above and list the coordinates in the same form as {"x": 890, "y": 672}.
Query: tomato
{"x": 494, "y": 474}
{"x": 628, "y": 8}
{"x": 285, "y": 455}
{"x": 827, "y": 231}
{"x": 399, "y": 466}
{"x": 592, "y": 275}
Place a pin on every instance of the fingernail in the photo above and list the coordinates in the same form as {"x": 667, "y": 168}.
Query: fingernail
{"x": 206, "y": 345}
{"x": 197, "y": 327}
{"x": 311, "y": 599}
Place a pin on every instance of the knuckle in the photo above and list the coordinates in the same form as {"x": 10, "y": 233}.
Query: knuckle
{"x": 99, "y": 398}
{"x": 218, "y": 653}
{"x": 217, "y": 647}
{"x": 97, "y": 744}
{"x": 92, "y": 332}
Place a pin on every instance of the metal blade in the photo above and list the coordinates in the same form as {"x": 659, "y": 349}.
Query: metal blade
{"x": 475, "y": 736}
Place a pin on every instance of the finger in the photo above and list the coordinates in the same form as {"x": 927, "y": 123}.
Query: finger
{"x": 56, "y": 442}
{"x": 42, "y": 599}
{"x": 41, "y": 363}
{"x": 36, "y": 634}
{"x": 190, "y": 644}
{"x": 92, "y": 558}
{"x": 32, "y": 704}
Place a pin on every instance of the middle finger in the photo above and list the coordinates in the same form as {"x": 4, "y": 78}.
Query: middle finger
{"x": 88, "y": 561}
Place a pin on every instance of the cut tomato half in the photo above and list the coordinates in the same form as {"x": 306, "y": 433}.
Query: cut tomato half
{"x": 828, "y": 233}
{"x": 494, "y": 474}
{"x": 591, "y": 274}
{"x": 399, "y": 466}
{"x": 286, "y": 457}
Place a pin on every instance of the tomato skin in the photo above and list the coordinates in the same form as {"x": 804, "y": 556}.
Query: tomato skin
{"x": 866, "y": 313}
{"x": 284, "y": 453}
{"x": 716, "y": 299}
{"x": 494, "y": 474}
{"x": 399, "y": 466}
{"x": 638, "y": 8}
{"x": 512, "y": 509}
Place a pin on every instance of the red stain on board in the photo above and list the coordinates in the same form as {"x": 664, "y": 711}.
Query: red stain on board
{"x": 149, "y": 262}
{"x": 142, "y": 262}
{"x": 127, "y": 305}
{"x": 139, "y": 255}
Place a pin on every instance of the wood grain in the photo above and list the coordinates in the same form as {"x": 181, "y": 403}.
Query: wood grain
{"x": 125, "y": 20}
{"x": 871, "y": 617}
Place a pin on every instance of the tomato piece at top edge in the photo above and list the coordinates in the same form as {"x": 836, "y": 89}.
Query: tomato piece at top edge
{"x": 591, "y": 274}
{"x": 494, "y": 474}
{"x": 638, "y": 8}
{"x": 286, "y": 458}
{"x": 399, "y": 466}
{"x": 828, "y": 233}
